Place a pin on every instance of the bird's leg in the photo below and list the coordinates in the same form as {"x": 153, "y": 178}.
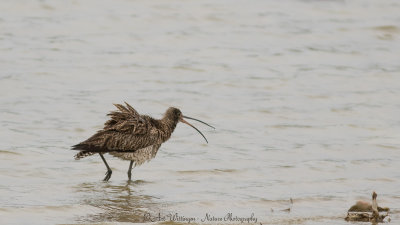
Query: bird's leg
{"x": 109, "y": 171}
{"x": 130, "y": 170}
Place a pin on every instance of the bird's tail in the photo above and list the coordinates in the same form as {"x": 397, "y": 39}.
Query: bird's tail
{"x": 83, "y": 154}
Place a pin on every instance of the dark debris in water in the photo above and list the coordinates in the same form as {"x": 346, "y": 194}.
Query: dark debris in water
{"x": 364, "y": 211}
{"x": 288, "y": 210}
{"x": 9, "y": 152}
{"x": 366, "y": 217}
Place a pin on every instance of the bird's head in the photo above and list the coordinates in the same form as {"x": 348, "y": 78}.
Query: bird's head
{"x": 176, "y": 116}
{"x": 173, "y": 114}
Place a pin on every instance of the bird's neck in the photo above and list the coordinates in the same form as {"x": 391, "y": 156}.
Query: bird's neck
{"x": 168, "y": 126}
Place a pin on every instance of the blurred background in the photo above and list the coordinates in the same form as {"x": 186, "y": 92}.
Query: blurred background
{"x": 304, "y": 96}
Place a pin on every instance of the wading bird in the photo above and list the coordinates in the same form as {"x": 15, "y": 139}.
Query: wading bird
{"x": 131, "y": 136}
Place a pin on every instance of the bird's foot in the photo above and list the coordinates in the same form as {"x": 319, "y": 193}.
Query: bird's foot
{"x": 108, "y": 175}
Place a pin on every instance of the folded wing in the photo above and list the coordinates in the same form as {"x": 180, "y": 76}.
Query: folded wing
{"x": 125, "y": 131}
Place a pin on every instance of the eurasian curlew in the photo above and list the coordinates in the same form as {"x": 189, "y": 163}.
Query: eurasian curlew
{"x": 131, "y": 136}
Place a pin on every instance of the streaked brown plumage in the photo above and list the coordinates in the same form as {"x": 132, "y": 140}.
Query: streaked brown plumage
{"x": 131, "y": 136}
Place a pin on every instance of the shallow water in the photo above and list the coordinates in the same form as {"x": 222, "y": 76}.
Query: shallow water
{"x": 304, "y": 95}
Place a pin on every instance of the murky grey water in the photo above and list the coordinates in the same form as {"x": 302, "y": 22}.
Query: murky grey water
{"x": 304, "y": 95}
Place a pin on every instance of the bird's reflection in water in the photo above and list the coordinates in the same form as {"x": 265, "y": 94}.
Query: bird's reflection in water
{"x": 117, "y": 203}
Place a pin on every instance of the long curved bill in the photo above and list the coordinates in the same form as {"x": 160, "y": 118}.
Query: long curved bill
{"x": 184, "y": 121}
{"x": 198, "y": 121}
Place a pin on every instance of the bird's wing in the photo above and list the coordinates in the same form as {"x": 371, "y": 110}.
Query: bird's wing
{"x": 114, "y": 141}
{"x": 127, "y": 120}
{"x": 125, "y": 131}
